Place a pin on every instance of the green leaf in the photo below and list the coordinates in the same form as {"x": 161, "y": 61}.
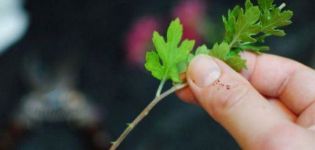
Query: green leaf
{"x": 153, "y": 64}
{"x": 276, "y": 19}
{"x": 171, "y": 57}
{"x": 236, "y": 62}
{"x": 160, "y": 45}
{"x": 174, "y": 75}
{"x": 248, "y": 4}
{"x": 174, "y": 32}
{"x": 220, "y": 51}
{"x": 254, "y": 48}
{"x": 246, "y": 28}
{"x": 182, "y": 66}
{"x": 186, "y": 47}
{"x": 229, "y": 23}
{"x": 190, "y": 57}
{"x": 265, "y": 5}
{"x": 273, "y": 18}
{"x": 247, "y": 25}
{"x": 202, "y": 50}
{"x": 183, "y": 51}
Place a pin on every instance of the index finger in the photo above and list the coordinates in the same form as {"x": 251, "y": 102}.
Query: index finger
{"x": 277, "y": 77}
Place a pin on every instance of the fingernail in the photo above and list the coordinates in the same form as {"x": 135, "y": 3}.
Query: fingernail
{"x": 203, "y": 71}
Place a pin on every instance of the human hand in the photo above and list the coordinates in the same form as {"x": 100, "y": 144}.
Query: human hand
{"x": 271, "y": 105}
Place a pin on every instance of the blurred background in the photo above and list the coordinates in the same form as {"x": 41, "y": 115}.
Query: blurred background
{"x": 72, "y": 75}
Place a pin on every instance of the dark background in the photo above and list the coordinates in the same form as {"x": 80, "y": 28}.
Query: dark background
{"x": 92, "y": 32}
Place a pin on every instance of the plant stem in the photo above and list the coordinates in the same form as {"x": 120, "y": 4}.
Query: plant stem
{"x": 160, "y": 88}
{"x": 144, "y": 113}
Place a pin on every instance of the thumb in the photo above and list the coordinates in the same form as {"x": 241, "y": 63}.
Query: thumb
{"x": 232, "y": 101}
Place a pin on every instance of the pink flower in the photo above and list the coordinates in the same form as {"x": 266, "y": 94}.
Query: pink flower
{"x": 192, "y": 14}
{"x": 138, "y": 39}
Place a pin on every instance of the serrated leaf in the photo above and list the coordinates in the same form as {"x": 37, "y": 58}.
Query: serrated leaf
{"x": 160, "y": 45}
{"x": 254, "y": 48}
{"x": 174, "y": 74}
{"x": 236, "y": 62}
{"x": 170, "y": 57}
{"x": 265, "y": 5}
{"x": 229, "y": 23}
{"x": 276, "y": 19}
{"x": 182, "y": 66}
{"x": 190, "y": 57}
{"x": 220, "y": 51}
{"x": 184, "y": 49}
{"x": 153, "y": 64}
{"x": 248, "y": 4}
{"x": 246, "y": 25}
{"x": 246, "y": 28}
{"x": 202, "y": 50}
{"x": 174, "y": 32}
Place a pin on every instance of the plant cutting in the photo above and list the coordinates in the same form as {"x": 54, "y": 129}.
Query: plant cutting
{"x": 246, "y": 29}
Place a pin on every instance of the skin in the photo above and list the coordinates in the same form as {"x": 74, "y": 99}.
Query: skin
{"x": 270, "y": 105}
